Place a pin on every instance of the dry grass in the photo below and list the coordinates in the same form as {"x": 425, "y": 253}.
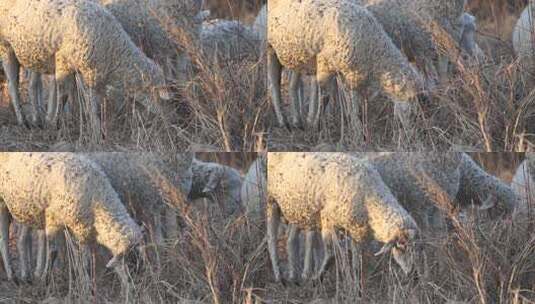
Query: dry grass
{"x": 221, "y": 104}
{"x": 222, "y": 259}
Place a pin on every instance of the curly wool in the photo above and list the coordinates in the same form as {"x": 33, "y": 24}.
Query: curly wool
{"x": 229, "y": 40}
{"x": 313, "y": 37}
{"x": 406, "y": 23}
{"x": 57, "y": 190}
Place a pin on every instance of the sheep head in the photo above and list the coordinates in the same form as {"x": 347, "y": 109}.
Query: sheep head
{"x": 402, "y": 250}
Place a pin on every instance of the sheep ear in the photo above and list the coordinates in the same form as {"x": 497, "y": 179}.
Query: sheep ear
{"x": 114, "y": 261}
{"x": 489, "y": 203}
{"x": 386, "y": 249}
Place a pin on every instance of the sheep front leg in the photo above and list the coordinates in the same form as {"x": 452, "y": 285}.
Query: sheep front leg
{"x": 126, "y": 285}
{"x": 292, "y": 244}
{"x": 312, "y": 103}
{"x": 295, "y": 80}
{"x": 41, "y": 254}
{"x": 4, "y": 240}
{"x": 307, "y": 269}
{"x": 404, "y": 112}
{"x": 326, "y": 236}
{"x": 24, "y": 245}
{"x": 442, "y": 67}
{"x": 12, "y": 68}
{"x": 274, "y": 77}
{"x": 36, "y": 89}
{"x": 51, "y": 232}
{"x": 52, "y": 104}
{"x": 273, "y": 220}
{"x": 171, "y": 224}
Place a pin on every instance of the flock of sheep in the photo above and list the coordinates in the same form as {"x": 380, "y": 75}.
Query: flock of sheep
{"x": 395, "y": 199}
{"x": 101, "y": 199}
{"x": 400, "y": 48}
{"x": 131, "y": 47}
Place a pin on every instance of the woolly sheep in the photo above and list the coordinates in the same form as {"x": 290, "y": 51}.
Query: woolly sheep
{"x": 253, "y": 189}
{"x": 229, "y": 40}
{"x": 523, "y": 41}
{"x": 329, "y": 191}
{"x": 53, "y": 191}
{"x": 311, "y": 37}
{"x": 420, "y": 181}
{"x": 74, "y": 36}
{"x": 220, "y": 183}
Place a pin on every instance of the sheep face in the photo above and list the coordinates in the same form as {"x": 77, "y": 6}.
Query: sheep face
{"x": 403, "y": 251}
{"x": 403, "y": 86}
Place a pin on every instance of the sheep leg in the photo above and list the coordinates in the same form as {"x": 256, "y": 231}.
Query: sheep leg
{"x": 274, "y": 77}
{"x": 295, "y": 78}
{"x": 36, "y": 88}
{"x": 292, "y": 248}
{"x": 51, "y": 232}
{"x": 307, "y": 269}
{"x": 273, "y": 221}
{"x": 442, "y": 67}
{"x": 41, "y": 254}
{"x": 126, "y": 285}
{"x": 322, "y": 98}
{"x": 11, "y": 67}
{"x": 158, "y": 237}
{"x": 403, "y": 111}
{"x": 171, "y": 224}
{"x": 326, "y": 236}
{"x": 51, "y": 111}
{"x": 4, "y": 241}
{"x": 23, "y": 246}
{"x": 312, "y": 103}
{"x": 95, "y": 101}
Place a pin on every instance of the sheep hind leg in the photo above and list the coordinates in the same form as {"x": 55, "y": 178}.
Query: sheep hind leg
{"x": 11, "y": 67}
{"x": 274, "y": 77}
{"x": 273, "y": 221}
{"x": 52, "y": 104}
{"x": 4, "y": 241}
{"x": 24, "y": 246}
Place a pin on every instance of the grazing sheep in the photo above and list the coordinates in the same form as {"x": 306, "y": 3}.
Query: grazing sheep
{"x": 425, "y": 184}
{"x": 313, "y": 37}
{"x": 229, "y": 40}
{"x": 253, "y": 189}
{"x": 53, "y": 191}
{"x": 407, "y": 22}
{"x": 220, "y": 183}
{"x": 63, "y": 37}
{"x": 330, "y": 191}
{"x": 523, "y": 41}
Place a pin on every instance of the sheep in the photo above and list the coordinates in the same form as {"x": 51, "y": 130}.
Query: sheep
{"x": 312, "y": 37}
{"x": 523, "y": 185}
{"x": 229, "y": 40}
{"x": 330, "y": 191}
{"x": 74, "y": 36}
{"x": 53, "y": 191}
{"x": 420, "y": 181}
{"x": 523, "y": 42}
{"x": 220, "y": 183}
{"x": 253, "y": 189}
